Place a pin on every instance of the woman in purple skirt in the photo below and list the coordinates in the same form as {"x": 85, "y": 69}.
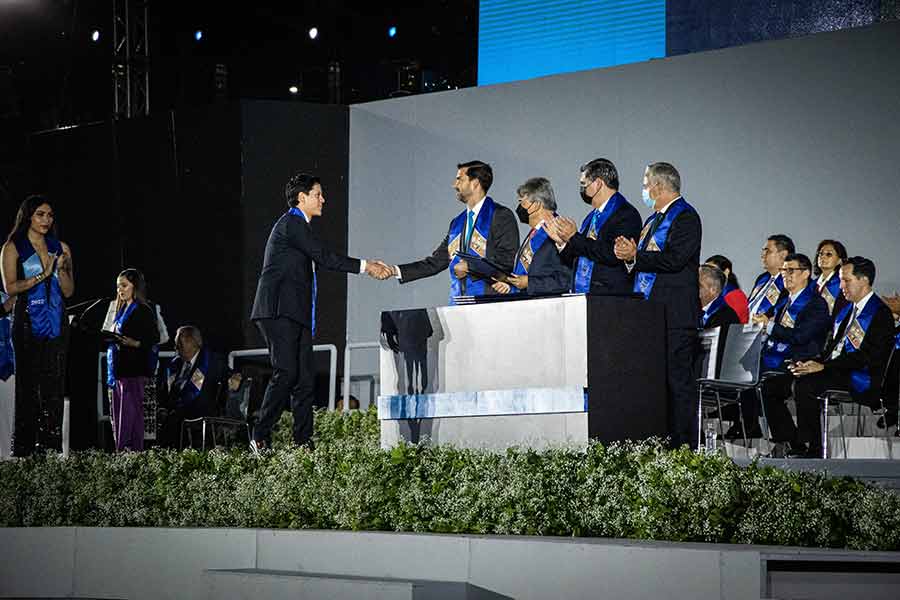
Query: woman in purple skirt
{"x": 128, "y": 359}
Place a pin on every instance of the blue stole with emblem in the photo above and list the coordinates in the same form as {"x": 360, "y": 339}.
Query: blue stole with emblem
{"x": 832, "y": 289}
{"x": 299, "y": 213}
{"x": 775, "y": 353}
{"x": 861, "y": 379}
{"x": 113, "y": 349}
{"x": 194, "y": 384}
{"x": 713, "y": 307}
{"x": 590, "y": 228}
{"x": 456, "y": 240}
{"x": 45, "y": 301}
{"x": 772, "y": 292}
{"x": 643, "y": 282}
{"x": 529, "y": 249}
{"x": 7, "y": 354}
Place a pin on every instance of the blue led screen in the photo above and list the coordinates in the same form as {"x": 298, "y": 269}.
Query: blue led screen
{"x": 532, "y": 38}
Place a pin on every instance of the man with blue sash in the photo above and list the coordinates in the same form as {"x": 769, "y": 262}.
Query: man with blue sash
{"x": 538, "y": 268}
{"x": 665, "y": 261}
{"x": 768, "y": 288}
{"x": 192, "y": 382}
{"x": 284, "y": 308}
{"x": 715, "y": 312}
{"x": 796, "y": 332}
{"x": 588, "y": 250}
{"x": 485, "y": 228}
{"x": 854, "y": 359}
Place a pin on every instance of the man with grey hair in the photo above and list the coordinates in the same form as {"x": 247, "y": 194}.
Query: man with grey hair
{"x": 665, "y": 261}
{"x": 588, "y": 250}
{"x": 715, "y": 311}
{"x": 538, "y": 269}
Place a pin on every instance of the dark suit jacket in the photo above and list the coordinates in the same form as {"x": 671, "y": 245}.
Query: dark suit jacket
{"x": 722, "y": 318}
{"x": 206, "y": 403}
{"x": 873, "y": 353}
{"x": 676, "y": 267}
{"x": 502, "y": 245}
{"x": 609, "y": 275}
{"x": 810, "y": 330}
{"x": 547, "y": 274}
{"x": 285, "y": 283}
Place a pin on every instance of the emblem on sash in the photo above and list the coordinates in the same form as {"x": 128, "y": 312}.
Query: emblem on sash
{"x": 527, "y": 255}
{"x": 855, "y": 335}
{"x": 787, "y": 320}
{"x": 197, "y": 378}
{"x": 772, "y": 293}
{"x": 644, "y": 232}
{"x": 652, "y": 246}
{"x": 453, "y": 246}
{"x": 478, "y": 244}
{"x": 592, "y": 234}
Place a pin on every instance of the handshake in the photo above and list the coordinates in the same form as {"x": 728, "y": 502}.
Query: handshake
{"x": 377, "y": 269}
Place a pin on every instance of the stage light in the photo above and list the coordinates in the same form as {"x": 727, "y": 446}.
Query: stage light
{"x": 392, "y": 31}
{"x": 294, "y": 89}
{"x": 198, "y": 35}
{"x": 95, "y": 36}
{"x": 313, "y": 33}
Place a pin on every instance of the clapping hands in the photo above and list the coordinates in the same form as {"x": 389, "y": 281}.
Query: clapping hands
{"x": 625, "y": 249}
{"x": 561, "y": 229}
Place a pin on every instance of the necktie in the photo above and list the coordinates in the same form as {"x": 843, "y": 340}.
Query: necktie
{"x": 183, "y": 376}
{"x": 470, "y": 224}
{"x": 842, "y": 331}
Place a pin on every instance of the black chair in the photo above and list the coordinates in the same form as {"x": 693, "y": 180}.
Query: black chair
{"x": 739, "y": 371}
{"x": 839, "y": 398}
{"x": 211, "y": 422}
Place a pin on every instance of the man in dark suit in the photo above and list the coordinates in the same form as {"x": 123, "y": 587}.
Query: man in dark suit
{"x": 284, "y": 307}
{"x": 768, "y": 288}
{"x": 714, "y": 312}
{"x": 537, "y": 266}
{"x": 192, "y": 383}
{"x": 796, "y": 328}
{"x": 854, "y": 358}
{"x": 665, "y": 262}
{"x": 588, "y": 251}
{"x": 485, "y": 228}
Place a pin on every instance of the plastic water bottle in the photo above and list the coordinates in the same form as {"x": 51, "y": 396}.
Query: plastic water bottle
{"x": 710, "y": 437}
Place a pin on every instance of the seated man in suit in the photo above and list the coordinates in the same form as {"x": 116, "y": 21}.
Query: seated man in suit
{"x": 485, "y": 228}
{"x": 192, "y": 384}
{"x": 715, "y": 312}
{"x": 588, "y": 251}
{"x": 538, "y": 268}
{"x": 768, "y": 288}
{"x": 797, "y": 328}
{"x": 854, "y": 358}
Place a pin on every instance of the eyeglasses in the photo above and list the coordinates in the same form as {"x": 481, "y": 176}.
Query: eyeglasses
{"x": 790, "y": 270}
{"x": 826, "y": 253}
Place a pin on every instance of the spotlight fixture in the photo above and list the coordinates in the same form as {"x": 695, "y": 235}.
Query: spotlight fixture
{"x": 95, "y": 35}
{"x": 198, "y": 35}
{"x": 313, "y": 33}
{"x": 294, "y": 89}
{"x": 392, "y": 31}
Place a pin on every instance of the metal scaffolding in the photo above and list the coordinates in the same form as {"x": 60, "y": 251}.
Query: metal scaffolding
{"x": 131, "y": 59}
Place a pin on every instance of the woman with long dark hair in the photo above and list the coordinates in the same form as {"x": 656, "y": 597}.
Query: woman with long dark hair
{"x": 734, "y": 296}
{"x": 128, "y": 359}
{"x": 37, "y": 267}
{"x": 830, "y": 255}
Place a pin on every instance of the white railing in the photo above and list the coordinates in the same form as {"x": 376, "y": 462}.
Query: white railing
{"x": 352, "y": 346}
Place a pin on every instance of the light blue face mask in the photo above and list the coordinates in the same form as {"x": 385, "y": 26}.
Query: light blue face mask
{"x": 645, "y": 196}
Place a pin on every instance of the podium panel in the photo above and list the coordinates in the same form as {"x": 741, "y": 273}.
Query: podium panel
{"x": 528, "y": 372}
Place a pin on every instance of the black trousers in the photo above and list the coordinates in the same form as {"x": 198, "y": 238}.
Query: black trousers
{"x": 775, "y": 391}
{"x": 293, "y": 378}
{"x": 682, "y": 386}
{"x": 807, "y": 389}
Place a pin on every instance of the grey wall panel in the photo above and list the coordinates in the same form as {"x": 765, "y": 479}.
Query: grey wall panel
{"x": 796, "y": 136}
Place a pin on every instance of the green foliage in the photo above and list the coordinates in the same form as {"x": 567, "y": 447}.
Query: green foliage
{"x": 629, "y": 490}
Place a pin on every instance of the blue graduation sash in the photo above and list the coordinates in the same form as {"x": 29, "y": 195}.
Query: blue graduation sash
{"x": 315, "y": 288}
{"x": 529, "y": 248}
{"x": 477, "y": 245}
{"x": 194, "y": 384}
{"x": 861, "y": 379}
{"x": 772, "y": 292}
{"x": 643, "y": 282}
{"x": 7, "y": 354}
{"x": 113, "y": 349}
{"x": 590, "y": 227}
{"x": 45, "y": 301}
{"x": 775, "y": 353}
{"x": 832, "y": 289}
{"x": 713, "y": 307}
